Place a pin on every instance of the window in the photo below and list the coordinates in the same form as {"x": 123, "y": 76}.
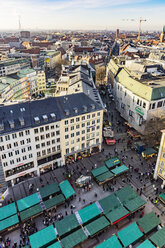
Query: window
{"x": 92, "y": 135}
{"x": 66, "y": 129}
{"x": 8, "y": 146}
{"x": 83, "y": 138}
{"x": 66, "y": 136}
{"x": 58, "y": 147}
{"x": 98, "y": 127}
{"x": 47, "y": 135}
{"x": 53, "y": 141}
{"x": 48, "y": 150}
{"x": 36, "y": 130}
{"x": 27, "y": 132}
{"x": 58, "y": 140}
{"x": 77, "y": 119}
{"x": 37, "y": 146}
{"x": 97, "y": 134}
{"x": 138, "y": 101}
{"x": 53, "y": 149}
{"x": 78, "y": 140}
{"x": 83, "y": 125}
{"x": 48, "y": 143}
{"x": 43, "y": 144}
{"x": 38, "y": 154}
{"x": 28, "y": 140}
{"x": 77, "y": 133}
{"x": 57, "y": 125}
{"x": 52, "y": 134}
{"x": 7, "y": 137}
{"x": 88, "y": 130}
{"x": 23, "y": 150}
{"x": 14, "y": 135}
{"x": 42, "y": 137}
{"x": 22, "y": 142}
{"x": 153, "y": 105}
{"x": 97, "y": 141}
{"x": 3, "y": 156}
{"x": 43, "y": 152}
{"x": 47, "y": 128}
{"x": 93, "y": 122}
{"x": 66, "y": 122}
{"x": 12, "y": 161}
{"x": 144, "y": 105}
{"x": 5, "y": 164}
{"x": 41, "y": 129}
{"x": 88, "y": 136}
{"x": 160, "y": 104}
{"x": 72, "y": 149}
{"x": 1, "y": 139}
{"x": 72, "y": 121}
{"x": 98, "y": 120}
{"x": 52, "y": 127}
{"x": 29, "y": 148}
{"x": 37, "y": 138}
{"x": 88, "y": 116}
{"x": 83, "y": 131}
{"x": 98, "y": 114}
{"x": 30, "y": 155}
{"x": 57, "y": 132}
{"x": 88, "y": 123}
{"x": 2, "y": 148}
{"x": 20, "y": 134}
{"x": 66, "y": 143}
{"x": 83, "y": 118}
{"x": 10, "y": 154}
{"x": 93, "y": 128}
{"x": 72, "y": 135}
{"x": 72, "y": 128}
{"x": 83, "y": 145}
{"x": 72, "y": 142}
{"x": 67, "y": 150}
{"x": 18, "y": 160}
{"x": 130, "y": 113}
{"x": 93, "y": 115}
{"x": 77, "y": 126}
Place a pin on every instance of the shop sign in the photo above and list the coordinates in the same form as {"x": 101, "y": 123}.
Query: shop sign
{"x": 139, "y": 110}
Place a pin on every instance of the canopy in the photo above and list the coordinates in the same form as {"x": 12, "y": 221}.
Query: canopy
{"x": 109, "y": 203}
{"x": 112, "y": 242}
{"x": 66, "y": 189}
{"x": 7, "y": 211}
{"x": 134, "y": 204}
{"x": 158, "y": 238}
{"x": 67, "y": 225}
{"x": 29, "y": 212}
{"x": 54, "y": 201}
{"x": 49, "y": 190}
{"x": 146, "y": 244}
{"x": 98, "y": 171}
{"x": 97, "y": 225}
{"x": 149, "y": 222}
{"x": 8, "y": 222}
{"x": 28, "y": 202}
{"x": 126, "y": 194}
{"x": 117, "y": 214}
{"x": 162, "y": 197}
{"x": 104, "y": 177}
{"x": 88, "y": 213}
{"x": 112, "y": 162}
{"x": 119, "y": 170}
{"x": 43, "y": 238}
{"x": 55, "y": 245}
{"x": 74, "y": 239}
{"x": 130, "y": 234}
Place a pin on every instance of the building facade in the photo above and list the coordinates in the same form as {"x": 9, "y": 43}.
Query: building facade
{"x": 41, "y": 82}
{"x": 160, "y": 163}
{"x": 43, "y": 134}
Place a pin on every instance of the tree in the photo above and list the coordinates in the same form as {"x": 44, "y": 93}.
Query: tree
{"x": 100, "y": 75}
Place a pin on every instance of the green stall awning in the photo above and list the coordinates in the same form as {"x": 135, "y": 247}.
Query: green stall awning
{"x": 109, "y": 203}
{"x": 158, "y": 238}
{"x": 66, "y": 189}
{"x": 49, "y": 190}
{"x": 130, "y": 234}
{"x": 9, "y": 222}
{"x": 43, "y": 238}
{"x": 97, "y": 225}
{"x": 98, "y": 171}
{"x": 134, "y": 204}
{"x": 126, "y": 194}
{"x": 149, "y": 222}
{"x": 104, "y": 177}
{"x": 7, "y": 211}
{"x": 55, "y": 245}
{"x": 27, "y": 213}
{"x": 67, "y": 225}
{"x": 117, "y": 214}
{"x": 88, "y": 213}
{"x": 119, "y": 170}
{"x": 54, "y": 201}
{"x": 146, "y": 244}
{"x": 110, "y": 163}
{"x": 74, "y": 239}
{"x": 28, "y": 202}
{"x": 112, "y": 242}
{"x": 162, "y": 197}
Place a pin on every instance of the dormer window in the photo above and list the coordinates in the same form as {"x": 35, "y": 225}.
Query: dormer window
{"x": 45, "y": 118}
{"x": 21, "y": 120}
{"x": 53, "y": 116}
{"x": 37, "y": 120}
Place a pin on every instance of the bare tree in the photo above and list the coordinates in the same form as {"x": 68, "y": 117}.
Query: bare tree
{"x": 100, "y": 75}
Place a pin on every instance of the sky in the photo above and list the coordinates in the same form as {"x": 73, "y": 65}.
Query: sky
{"x": 82, "y": 14}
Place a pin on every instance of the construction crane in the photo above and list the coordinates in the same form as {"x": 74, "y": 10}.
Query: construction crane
{"x": 140, "y": 23}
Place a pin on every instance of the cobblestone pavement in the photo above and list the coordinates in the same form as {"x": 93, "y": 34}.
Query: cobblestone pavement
{"x": 83, "y": 167}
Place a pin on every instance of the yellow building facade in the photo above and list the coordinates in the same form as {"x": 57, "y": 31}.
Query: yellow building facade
{"x": 160, "y": 164}
{"x": 41, "y": 81}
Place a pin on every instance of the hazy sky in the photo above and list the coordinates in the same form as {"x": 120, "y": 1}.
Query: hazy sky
{"x": 82, "y": 14}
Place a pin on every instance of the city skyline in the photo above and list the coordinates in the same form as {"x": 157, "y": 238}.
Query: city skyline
{"x": 78, "y": 14}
